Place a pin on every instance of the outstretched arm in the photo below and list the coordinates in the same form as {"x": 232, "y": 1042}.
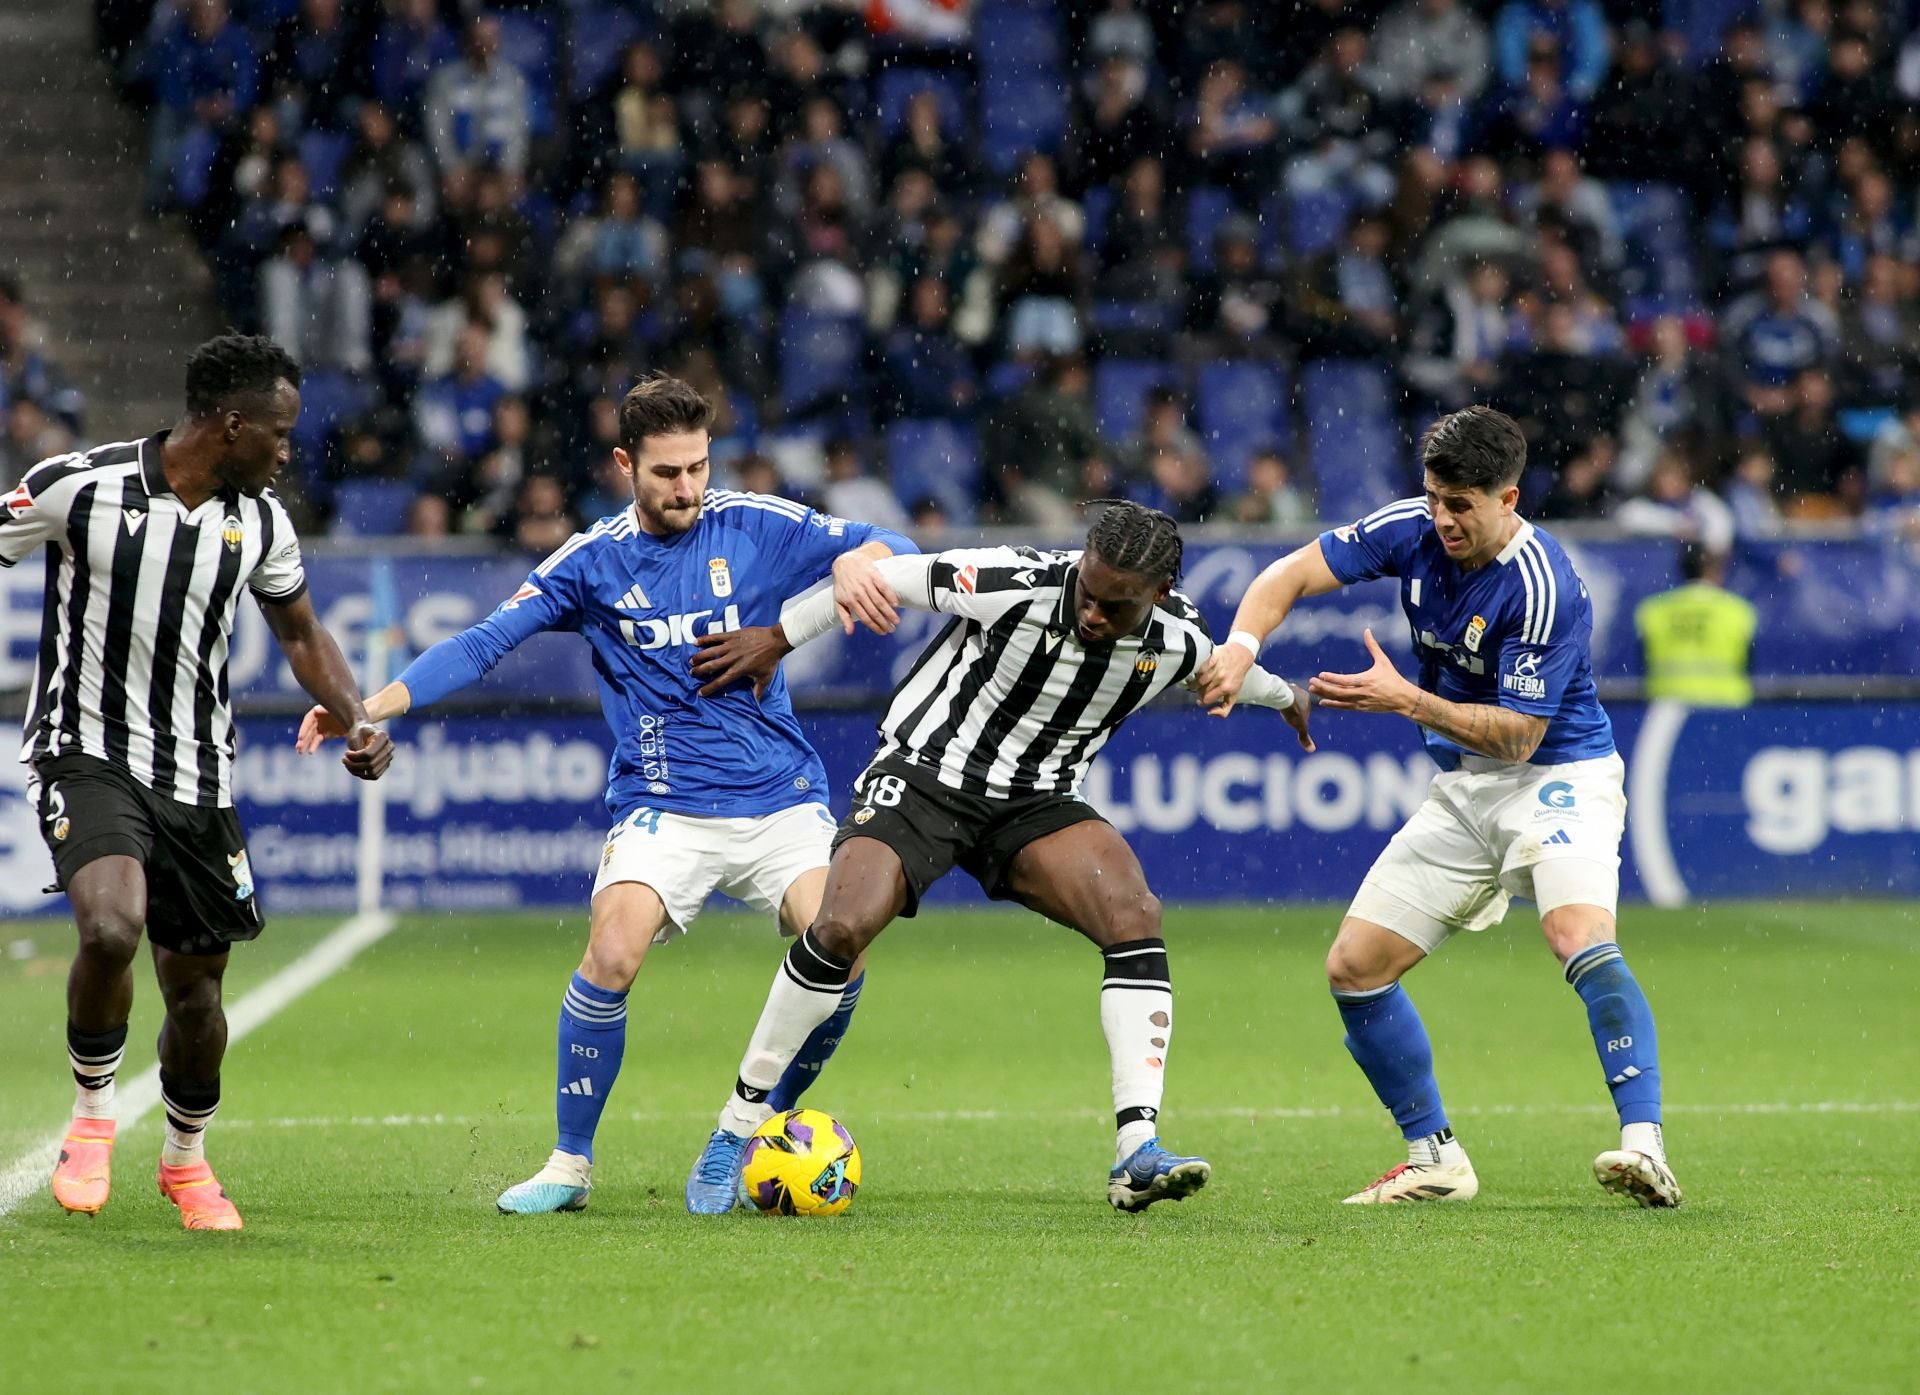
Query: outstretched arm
{"x": 1302, "y": 572}
{"x": 322, "y": 670}
{"x": 1492, "y": 731}
{"x": 755, "y": 652}
{"x": 451, "y": 664}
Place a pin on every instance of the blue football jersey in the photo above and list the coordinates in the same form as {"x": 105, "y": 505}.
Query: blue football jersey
{"x": 1516, "y": 633}
{"x": 642, "y": 602}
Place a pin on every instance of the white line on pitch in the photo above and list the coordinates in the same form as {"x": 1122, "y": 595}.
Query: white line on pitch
{"x": 28, "y": 1173}
{"x": 950, "y": 1116}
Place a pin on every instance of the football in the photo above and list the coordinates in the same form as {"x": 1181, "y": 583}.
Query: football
{"x": 800, "y": 1163}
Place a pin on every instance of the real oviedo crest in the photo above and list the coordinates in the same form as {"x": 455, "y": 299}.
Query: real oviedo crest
{"x": 721, "y": 578}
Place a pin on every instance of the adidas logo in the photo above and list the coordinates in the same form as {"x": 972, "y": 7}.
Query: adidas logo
{"x": 1559, "y": 838}
{"x": 635, "y": 599}
{"x": 582, "y": 1086}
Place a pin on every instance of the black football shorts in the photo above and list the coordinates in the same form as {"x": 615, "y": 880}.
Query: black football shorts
{"x": 934, "y": 828}
{"x": 200, "y": 892}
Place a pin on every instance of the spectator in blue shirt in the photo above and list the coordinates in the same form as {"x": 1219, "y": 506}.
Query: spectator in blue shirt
{"x": 479, "y": 111}
{"x": 454, "y": 414}
{"x": 206, "y": 72}
{"x": 1578, "y": 31}
{"x": 407, "y": 47}
{"x": 1777, "y": 333}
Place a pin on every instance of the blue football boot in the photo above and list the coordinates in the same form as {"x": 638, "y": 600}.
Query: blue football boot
{"x": 713, "y": 1187}
{"x": 562, "y": 1185}
{"x": 1153, "y": 1174}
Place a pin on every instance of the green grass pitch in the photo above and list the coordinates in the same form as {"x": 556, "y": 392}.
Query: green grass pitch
{"x": 366, "y": 1130}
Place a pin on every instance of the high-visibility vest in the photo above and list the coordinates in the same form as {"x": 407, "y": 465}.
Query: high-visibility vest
{"x": 1697, "y": 640}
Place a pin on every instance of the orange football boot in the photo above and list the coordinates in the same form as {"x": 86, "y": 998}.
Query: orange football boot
{"x": 82, "y": 1177}
{"x": 196, "y": 1191}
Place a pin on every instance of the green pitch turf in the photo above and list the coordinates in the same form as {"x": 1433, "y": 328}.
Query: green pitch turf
{"x": 367, "y": 1129}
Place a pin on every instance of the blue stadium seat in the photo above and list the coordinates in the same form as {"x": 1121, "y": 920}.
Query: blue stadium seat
{"x": 329, "y": 399}
{"x": 1659, "y": 276}
{"x": 371, "y": 508}
{"x": 1315, "y": 220}
{"x": 323, "y": 153}
{"x": 1009, "y": 37}
{"x": 193, "y": 160}
{"x": 531, "y": 42}
{"x": 1096, "y": 204}
{"x": 1240, "y": 405}
{"x": 935, "y": 459}
{"x": 1020, "y": 112}
{"x": 1120, "y": 393}
{"x": 1353, "y": 436}
{"x": 597, "y": 40}
{"x": 1207, "y": 208}
{"x": 821, "y": 361}
{"x": 896, "y": 87}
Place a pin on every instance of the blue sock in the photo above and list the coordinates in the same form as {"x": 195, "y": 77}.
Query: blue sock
{"x": 593, "y": 1037}
{"x": 805, "y": 1068}
{"x": 1389, "y": 1043}
{"x": 1623, "y": 1033}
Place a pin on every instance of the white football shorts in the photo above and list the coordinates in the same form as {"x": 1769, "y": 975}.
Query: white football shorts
{"x": 685, "y": 858}
{"x": 1493, "y": 830}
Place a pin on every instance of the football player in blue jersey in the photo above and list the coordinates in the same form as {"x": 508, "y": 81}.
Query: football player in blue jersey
{"x": 1529, "y": 801}
{"x": 720, "y": 793}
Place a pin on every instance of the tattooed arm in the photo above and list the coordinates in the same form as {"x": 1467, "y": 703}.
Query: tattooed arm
{"x": 1492, "y": 731}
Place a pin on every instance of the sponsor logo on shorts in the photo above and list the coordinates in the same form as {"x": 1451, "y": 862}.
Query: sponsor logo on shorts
{"x": 242, "y": 875}
{"x": 1557, "y": 794}
{"x": 57, "y": 821}
{"x": 862, "y": 815}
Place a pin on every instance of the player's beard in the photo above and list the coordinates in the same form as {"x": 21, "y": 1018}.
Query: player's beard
{"x": 672, "y": 520}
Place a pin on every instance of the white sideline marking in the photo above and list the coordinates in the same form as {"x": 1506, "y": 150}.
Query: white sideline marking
{"x": 948, "y": 1116}
{"x": 28, "y": 1173}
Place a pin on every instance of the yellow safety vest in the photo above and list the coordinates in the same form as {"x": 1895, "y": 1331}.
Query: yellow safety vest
{"x": 1697, "y": 639}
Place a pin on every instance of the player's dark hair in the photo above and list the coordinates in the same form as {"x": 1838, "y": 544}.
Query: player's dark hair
{"x": 236, "y": 365}
{"x": 661, "y": 406}
{"x": 1135, "y": 538}
{"x": 1475, "y": 448}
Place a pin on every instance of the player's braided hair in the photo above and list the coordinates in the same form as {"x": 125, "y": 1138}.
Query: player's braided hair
{"x": 236, "y": 365}
{"x": 1135, "y": 538}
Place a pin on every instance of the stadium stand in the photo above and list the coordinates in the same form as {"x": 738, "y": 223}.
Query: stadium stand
{"x": 891, "y": 222}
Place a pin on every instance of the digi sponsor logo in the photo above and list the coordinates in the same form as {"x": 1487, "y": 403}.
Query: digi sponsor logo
{"x": 679, "y": 631}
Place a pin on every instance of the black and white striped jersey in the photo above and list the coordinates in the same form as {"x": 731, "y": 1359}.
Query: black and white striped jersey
{"x": 1007, "y": 700}
{"x": 138, "y": 616}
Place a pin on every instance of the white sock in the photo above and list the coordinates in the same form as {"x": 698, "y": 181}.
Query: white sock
{"x": 93, "y": 1080}
{"x": 1644, "y": 1138}
{"x": 186, "y": 1130}
{"x": 1136, "y": 1013}
{"x": 95, "y": 1104}
{"x": 568, "y": 1169}
{"x": 805, "y": 993}
{"x": 1436, "y": 1150}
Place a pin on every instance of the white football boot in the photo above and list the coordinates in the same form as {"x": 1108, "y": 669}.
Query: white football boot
{"x": 1645, "y": 1178}
{"x": 1421, "y": 1181}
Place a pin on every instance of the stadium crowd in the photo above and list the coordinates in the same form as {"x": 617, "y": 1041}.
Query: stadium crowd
{"x": 947, "y": 260}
